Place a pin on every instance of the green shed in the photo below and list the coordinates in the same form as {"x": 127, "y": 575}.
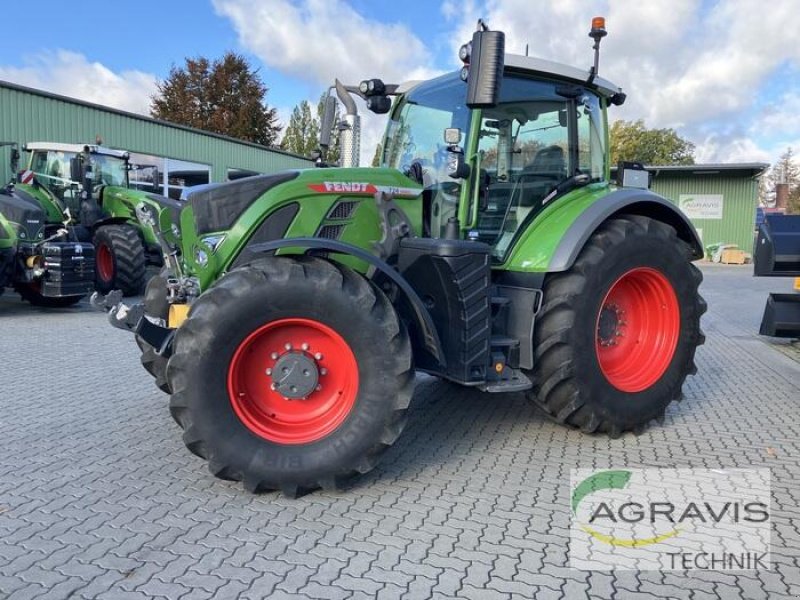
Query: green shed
{"x": 720, "y": 199}
{"x": 184, "y": 155}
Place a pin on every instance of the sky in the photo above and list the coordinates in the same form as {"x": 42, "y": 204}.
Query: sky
{"x": 724, "y": 73}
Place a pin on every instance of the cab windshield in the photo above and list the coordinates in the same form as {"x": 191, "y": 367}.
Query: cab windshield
{"x": 52, "y": 169}
{"x": 530, "y": 147}
{"x": 415, "y": 134}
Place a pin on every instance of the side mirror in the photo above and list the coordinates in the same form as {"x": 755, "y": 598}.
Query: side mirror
{"x": 76, "y": 169}
{"x": 326, "y": 124}
{"x": 380, "y": 105}
{"x": 633, "y": 175}
{"x": 457, "y": 166}
{"x": 452, "y": 136}
{"x": 486, "y": 62}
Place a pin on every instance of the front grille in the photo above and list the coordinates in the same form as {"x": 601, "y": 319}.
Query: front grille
{"x": 330, "y": 232}
{"x": 342, "y": 210}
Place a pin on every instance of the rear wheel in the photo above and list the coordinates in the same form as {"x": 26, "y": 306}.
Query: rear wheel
{"x": 119, "y": 259}
{"x": 617, "y": 333}
{"x": 304, "y": 378}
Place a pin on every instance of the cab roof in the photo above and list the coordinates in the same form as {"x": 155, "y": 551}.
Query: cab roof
{"x": 540, "y": 66}
{"x": 93, "y": 148}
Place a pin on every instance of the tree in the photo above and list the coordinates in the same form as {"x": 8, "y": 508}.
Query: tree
{"x": 632, "y": 141}
{"x": 302, "y": 132}
{"x": 376, "y": 158}
{"x": 786, "y": 171}
{"x": 226, "y": 96}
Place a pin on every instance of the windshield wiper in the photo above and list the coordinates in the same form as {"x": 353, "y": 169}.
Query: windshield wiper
{"x": 569, "y": 184}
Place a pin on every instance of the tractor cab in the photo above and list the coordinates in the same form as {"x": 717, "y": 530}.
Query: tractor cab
{"x": 542, "y": 139}
{"x": 69, "y": 170}
{"x": 489, "y": 166}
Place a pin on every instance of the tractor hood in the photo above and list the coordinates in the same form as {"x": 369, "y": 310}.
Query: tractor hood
{"x": 24, "y": 213}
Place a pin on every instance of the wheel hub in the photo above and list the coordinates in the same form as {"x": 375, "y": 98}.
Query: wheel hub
{"x": 295, "y": 375}
{"x": 610, "y": 325}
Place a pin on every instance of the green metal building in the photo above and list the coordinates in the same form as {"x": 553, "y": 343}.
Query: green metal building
{"x": 30, "y": 115}
{"x": 720, "y": 199}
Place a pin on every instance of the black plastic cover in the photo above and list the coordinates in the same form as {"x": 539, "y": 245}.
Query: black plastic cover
{"x": 217, "y": 208}
{"x": 23, "y": 209}
{"x": 453, "y": 279}
{"x": 174, "y": 206}
{"x": 777, "y": 250}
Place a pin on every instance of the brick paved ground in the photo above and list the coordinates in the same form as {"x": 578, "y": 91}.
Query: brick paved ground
{"x": 99, "y": 498}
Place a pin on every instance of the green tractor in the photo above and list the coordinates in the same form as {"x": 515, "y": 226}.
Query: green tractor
{"x": 41, "y": 254}
{"x": 92, "y": 183}
{"x": 489, "y": 249}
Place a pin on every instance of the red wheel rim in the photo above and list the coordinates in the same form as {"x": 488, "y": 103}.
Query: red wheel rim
{"x": 266, "y": 411}
{"x": 105, "y": 262}
{"x": 637, "y": 329}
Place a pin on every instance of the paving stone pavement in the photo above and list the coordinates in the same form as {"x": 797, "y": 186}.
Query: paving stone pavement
{"x": 100, "y": 500}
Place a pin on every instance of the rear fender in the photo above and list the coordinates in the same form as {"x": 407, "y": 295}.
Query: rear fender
{"x": 621, "y": 202}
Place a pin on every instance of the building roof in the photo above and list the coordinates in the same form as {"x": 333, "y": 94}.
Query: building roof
{"x": 131, "y": 115}
{"x": 748, "y": 169}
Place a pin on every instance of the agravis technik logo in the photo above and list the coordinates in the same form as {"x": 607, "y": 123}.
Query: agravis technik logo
{"x": 670, "y": 519}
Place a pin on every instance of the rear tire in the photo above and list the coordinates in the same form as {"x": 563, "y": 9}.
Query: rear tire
{"x": 120, "y": 260}
{"x": 616, "y": 335}
{"x": 234, "y": 337}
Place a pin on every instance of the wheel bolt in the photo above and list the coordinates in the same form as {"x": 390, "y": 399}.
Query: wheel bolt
{"x": 273, "y": 386}
{"x": 288, "y": 346}
{"x": 274, "y": 356}
{"x": 319, "y": 388}
{"x": 304, "y": 346}
{"x": 318, "y": 356}
{"x": 269, "y": 371}
{"x": 323, "y": 371}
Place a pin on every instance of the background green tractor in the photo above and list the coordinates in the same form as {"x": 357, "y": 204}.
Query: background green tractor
{"x": 91, "y": 182}
{"x": 41, "y": 255}
{"x": 489, "y": 249}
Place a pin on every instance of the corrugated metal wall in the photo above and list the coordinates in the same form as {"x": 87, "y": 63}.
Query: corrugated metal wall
{"x": 27, "y": 116}
{"x": 740, "y": 198}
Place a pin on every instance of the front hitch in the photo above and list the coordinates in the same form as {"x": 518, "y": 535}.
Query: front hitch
{"x": 134, "y": 320}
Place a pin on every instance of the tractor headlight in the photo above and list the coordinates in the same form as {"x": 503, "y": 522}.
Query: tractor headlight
{"x": 200, "y": 257}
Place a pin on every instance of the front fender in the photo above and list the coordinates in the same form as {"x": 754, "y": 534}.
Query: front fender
{"x": 419, "y": 313}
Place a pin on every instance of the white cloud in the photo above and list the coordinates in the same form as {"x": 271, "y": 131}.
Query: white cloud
{"x": 72, "y": 74}
{"x": 318, "y": 41}
{"x": 683, "y": 63}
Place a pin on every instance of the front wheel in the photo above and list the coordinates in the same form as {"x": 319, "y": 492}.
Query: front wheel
{"x": 291, "y": 374}
{"x": 616, "y": 335}
{"x": 120, "y": 261}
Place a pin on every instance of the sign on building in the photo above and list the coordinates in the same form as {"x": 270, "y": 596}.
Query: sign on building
{"x": 701, "y": 206}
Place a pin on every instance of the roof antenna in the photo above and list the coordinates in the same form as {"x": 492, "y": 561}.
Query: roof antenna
{"x": 597, "y": 33}
{"x": 526, "y": 49}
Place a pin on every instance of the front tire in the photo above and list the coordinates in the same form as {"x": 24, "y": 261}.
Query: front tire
{"x": 120, "y": 262}
{"x": 349, "y": 365}
{"x": 616, "y": 335}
